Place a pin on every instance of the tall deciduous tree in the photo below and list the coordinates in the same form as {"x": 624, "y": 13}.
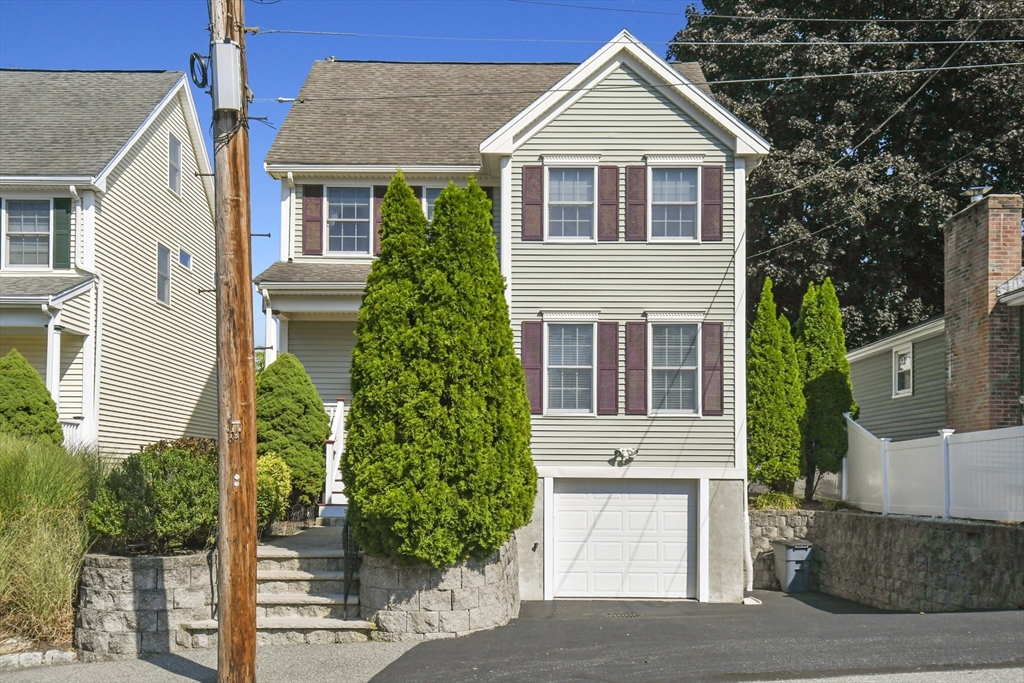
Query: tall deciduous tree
{"x": 773, "y": 441}
{"x": 869, "y": 216}
{"x": 821, "y": 351}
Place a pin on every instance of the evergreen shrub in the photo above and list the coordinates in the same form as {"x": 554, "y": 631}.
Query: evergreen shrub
{"x": 437, "y": 463}
{"x": 26, "y": 407}
{"x": 291, "y": 421}
{"x": 273, "y": 489}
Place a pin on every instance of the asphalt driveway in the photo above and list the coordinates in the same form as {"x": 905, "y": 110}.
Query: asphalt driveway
{"x": 806, "y": 636}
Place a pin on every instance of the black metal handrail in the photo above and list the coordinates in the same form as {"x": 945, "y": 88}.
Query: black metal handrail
{"x": 351, "y": 561}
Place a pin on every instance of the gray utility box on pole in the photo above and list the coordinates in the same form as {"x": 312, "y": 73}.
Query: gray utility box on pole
{"x": 227, "y": 76}
{"x": 793, "y": 564}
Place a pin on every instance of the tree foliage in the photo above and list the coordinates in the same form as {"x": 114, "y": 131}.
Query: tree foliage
{"x": 821, "y": 351}
{"x": 773, "y": 436}
{"x": 870, "y": 217}
{"x": 273, "y": 489}
{"x": 291, "y": 421}
{"x": 437, "y": 463}
{"x": 26, "y": 408}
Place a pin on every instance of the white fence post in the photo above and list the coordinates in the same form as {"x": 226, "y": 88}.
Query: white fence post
{"x": 945, "y": 434}
{"x": 845, "y": 489}
{"x": 885, "y": 475}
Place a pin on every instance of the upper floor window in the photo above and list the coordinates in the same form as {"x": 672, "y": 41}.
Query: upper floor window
{"x": 174, "y": 165}
{"x": 570, "y": 372}
{"x": 348, "y": 220}
{"x": 185, "y": 259}
{"x": 674, "y": 369}
{"x": 28, "y": 232}
{"x": 571, "y": 199}
{"x": 903, "y": 371}
{"x": 674, "y": 203}
{"x": 430, "y": 195}
{"x": 163, "y": 274}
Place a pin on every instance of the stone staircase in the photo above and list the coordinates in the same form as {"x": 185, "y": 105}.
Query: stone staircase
{"x": 300, "y": 594}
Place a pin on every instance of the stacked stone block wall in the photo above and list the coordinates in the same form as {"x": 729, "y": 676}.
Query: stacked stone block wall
{"x": 898, "y": 563}
{"x": 421, "y": 603}
{"x": 131, "y": 606}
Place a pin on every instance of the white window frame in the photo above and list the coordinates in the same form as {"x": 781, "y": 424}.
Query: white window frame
{"x": 681, "y": 164}
{"x": 566, "y": 163}
{"x": 593, "y": 366}
{"x": 697, "y": 320}
{"x": 5, "y": 245}
{"x": 325, "y": 209}
{"x": 186, "y": 253}
{"x": 896, "y": 392}
{"x": 159, "y": 246}
{"x": 171, "y": 139}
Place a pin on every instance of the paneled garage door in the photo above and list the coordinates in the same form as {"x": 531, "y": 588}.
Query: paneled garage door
{"x": 625, "y": 538}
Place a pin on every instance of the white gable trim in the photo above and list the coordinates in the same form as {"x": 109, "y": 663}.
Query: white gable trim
{"x": 624, "y": 49}
{"x": 922, "y": 331}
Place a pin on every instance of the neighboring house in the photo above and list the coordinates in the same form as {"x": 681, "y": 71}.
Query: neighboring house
{"x": 618, "y": 188}
{"x": 961, "y": 371}
{"x": 107, "y": 251}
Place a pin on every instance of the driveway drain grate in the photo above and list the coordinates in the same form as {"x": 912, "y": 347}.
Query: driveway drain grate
{"x": 623, "y": 615}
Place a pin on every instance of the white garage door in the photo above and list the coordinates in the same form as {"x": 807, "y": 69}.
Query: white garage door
{"x": 625, "y": 538}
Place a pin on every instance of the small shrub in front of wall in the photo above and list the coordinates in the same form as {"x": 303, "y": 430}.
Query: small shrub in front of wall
{"x": 775, "y": 500}
{"x": 273, "y": 488}
{"x": 291, "y": 421}
{"x": 26, "y": 408}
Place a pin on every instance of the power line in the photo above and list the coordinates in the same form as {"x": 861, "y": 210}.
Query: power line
{"x": 607, "y": 88}
{"x": 872, "y": 205}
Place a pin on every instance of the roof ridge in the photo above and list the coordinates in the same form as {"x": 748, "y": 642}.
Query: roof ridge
{"x": 93, "y": 71}
{"x": 446, "y": 62}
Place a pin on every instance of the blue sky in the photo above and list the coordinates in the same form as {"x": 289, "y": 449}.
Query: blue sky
{"x": 143, "y": 34}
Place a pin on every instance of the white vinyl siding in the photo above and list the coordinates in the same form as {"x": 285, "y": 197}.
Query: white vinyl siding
{"x": 349, "y": 219}
{"x": 158, "y": 365}
{"x": 71, "y": 366}
{"x": 28, "y": 227}
{"x": 31, "y": 346}
{"x": 76, "y": 313}
{"x": 674, "y": 368}
{"x": 325, "y": 350}
{"x": 622, "y": 121}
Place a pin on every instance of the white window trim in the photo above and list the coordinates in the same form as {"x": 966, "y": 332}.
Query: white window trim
{"x": 551, "y": 162}
{"x": 548, "y": 412}
{"x": 170, "y": 277}
{"x": 431, "y": 186}
{"x": 325, "y": 247}
{"x": 896, "y": 393}
{"x": 190, "y": 258}
{"x": 181, "y": 171}
{"x": 5, "y": 264}
{"x": 682, "y": 163}
{"x": 651, "y": 412}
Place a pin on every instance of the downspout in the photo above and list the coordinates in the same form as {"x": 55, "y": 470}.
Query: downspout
{"x": 78, "y": 226}
{"x": 286, "y": 248}
{"x": 98, "y": 357}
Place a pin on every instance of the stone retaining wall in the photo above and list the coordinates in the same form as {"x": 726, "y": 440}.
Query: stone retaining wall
{"x": 421, "y": 603}
{"x": 131, "y": 606}
{"x": 898, "y": 563}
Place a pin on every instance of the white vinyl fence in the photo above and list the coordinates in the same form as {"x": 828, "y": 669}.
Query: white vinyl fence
{"x": 975, "y": 475}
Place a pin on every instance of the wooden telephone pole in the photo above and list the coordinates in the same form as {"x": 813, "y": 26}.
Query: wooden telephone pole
{"x": 236, "y": 546}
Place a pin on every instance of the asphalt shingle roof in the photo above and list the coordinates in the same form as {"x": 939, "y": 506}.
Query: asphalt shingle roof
{"x": 36, "y": 285}
{"x": 412, "y": 112}
{"x": 72, "y": 122}
{"x": 316, "y": 272}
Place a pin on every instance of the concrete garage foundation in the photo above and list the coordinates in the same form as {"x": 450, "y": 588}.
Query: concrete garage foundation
{"x": 530, "y": 540}
{"x": 725, "y": 540}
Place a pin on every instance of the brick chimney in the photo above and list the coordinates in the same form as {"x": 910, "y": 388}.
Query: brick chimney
{"x": 983, "y": 345}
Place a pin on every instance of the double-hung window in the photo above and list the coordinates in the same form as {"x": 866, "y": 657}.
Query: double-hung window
{"x": 675, "y": 368}
{"x": 674, "y": 194}
{"x": 163, "y": 274}
{"x": 571, "y": 200}
{"x": 903, "y": 371}
{"x": 348, "y": 220}
{"x": 174, "y": 165}
{"x": 570, "y": 376}
{"x": 28, "y": 232}
{"x": 430, "y": 195}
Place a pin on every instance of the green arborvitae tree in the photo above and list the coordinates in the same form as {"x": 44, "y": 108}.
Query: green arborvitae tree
{"x": 773, "y": 440}
{"x": 26, "y": 408}
{"x": 291, "y": 421}
{"x": 437, "y": 463}
{"x": 821, "y": 352}
{"x": 871, "y": 216}
{"x": 794, "y": 381}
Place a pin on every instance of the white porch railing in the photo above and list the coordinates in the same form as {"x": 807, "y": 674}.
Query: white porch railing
{"x": 74, "y": 433}
{"x": 333, "y": 488}
{"x": 975, "y": 475}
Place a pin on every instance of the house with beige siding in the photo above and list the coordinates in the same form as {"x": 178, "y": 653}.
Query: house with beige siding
{"x": 618, "y": 192}
{"x": 107, "y": 251}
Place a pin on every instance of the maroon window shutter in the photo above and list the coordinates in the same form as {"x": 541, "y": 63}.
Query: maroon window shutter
{"x": 312, "y": 220}
{"x": 607, "y": 368}
{"x": 533, "y": 363}
{"x": 378, "y": 201}
{"x": 712, "y": 354}
{"x": 608, "y": 204}
{"x": 636, "y": 203}
{"x": 636, "y": 368}
{"x": 533, "y": 203}
{"x": 711, "y": 204}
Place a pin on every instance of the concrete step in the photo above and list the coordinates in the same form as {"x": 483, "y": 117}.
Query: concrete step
{"x": 292, "y": 581}
{"x": 270, "y": 558}
{"x": 284, "y": 631}
{"x": 319, "y": 606}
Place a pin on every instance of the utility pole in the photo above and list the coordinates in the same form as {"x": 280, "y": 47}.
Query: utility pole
{"x": 236, "y": 546}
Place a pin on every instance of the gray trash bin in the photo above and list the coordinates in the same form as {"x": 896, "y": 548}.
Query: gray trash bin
{"x": 793, "y": 564}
